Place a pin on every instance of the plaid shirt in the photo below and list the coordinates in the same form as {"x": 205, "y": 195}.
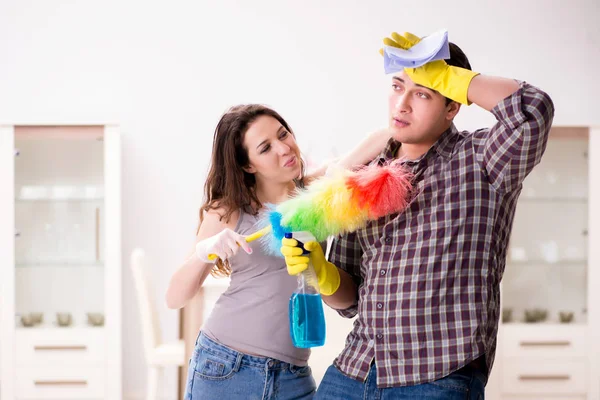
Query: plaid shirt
{"x": 429, "y": 278}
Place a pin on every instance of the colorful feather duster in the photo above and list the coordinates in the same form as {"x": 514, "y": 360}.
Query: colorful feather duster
{"x": 341, "y": 202}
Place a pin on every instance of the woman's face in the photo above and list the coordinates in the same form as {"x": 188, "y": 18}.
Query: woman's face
{"x": 273, "y": 153}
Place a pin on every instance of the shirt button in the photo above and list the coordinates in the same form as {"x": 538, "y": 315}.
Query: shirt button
{"x": 379, "y": 305}
{"x": 379, "y": 336}
{"x": 382, "y": 272}
{"x": 388, "y": 239}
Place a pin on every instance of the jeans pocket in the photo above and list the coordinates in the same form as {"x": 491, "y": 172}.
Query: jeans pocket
{"x": 213, "y": 366}
{"x": 455, "y": 382}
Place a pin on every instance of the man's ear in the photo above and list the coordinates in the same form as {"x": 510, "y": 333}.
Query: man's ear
{"x": 452, "y": 109}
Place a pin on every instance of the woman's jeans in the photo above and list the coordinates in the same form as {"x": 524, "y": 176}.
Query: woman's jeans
{"x": 221, "y": 373}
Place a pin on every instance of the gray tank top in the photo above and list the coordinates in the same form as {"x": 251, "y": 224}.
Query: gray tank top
{"x": 251, "y": 316}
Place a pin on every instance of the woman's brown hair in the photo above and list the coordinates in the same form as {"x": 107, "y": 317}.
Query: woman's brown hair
{"x": 228, "y": 186}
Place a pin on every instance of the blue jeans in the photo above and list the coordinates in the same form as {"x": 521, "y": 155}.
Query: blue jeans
{"x": 465, "y": 384}
{"x": 221, "y": 373}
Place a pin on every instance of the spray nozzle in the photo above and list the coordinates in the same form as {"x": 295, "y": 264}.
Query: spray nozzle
{"x": 288, "y": 235}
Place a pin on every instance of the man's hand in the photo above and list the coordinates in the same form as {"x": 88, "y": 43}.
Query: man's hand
{"x": 451, "y": 82}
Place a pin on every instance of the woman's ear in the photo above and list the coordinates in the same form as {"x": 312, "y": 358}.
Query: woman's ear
{"x": 250, "y": 169}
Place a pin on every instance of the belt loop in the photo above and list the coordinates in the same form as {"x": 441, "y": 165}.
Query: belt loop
{"x": 270, "y": 363}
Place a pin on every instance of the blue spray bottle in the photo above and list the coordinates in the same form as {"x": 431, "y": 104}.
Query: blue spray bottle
{"x": 307, "y": 321}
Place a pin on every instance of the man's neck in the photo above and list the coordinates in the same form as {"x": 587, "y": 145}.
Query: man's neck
{"x": 412, "y": 151}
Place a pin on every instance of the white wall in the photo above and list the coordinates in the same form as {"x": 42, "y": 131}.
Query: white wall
{"x": 166, "y": 70}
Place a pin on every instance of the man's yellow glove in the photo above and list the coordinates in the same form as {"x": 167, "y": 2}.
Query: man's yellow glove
{"x": 451, "y": 82}
{"x": 404, "y": 41}
{"x": 327, "y": 273}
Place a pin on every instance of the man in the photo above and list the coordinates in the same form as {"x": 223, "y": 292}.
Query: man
{"x": 425, "y": 283}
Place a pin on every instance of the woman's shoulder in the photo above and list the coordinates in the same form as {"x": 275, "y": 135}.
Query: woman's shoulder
{"x": 217, "y": 219}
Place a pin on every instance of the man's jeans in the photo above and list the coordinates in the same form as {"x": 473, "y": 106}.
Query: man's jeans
{"x": 465, "y": 384}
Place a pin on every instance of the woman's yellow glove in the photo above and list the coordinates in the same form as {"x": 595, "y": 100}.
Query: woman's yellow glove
{"x": 451, "y": 82}
{"x": 327, "y": 273}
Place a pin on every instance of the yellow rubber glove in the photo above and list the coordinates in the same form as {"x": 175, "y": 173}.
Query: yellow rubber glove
{"x": 451, "y": 82}
{"x": 404, "y": 41}
{"x": 327, "y": 273}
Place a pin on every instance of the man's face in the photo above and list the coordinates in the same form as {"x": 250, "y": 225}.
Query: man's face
{"x": 418, "y": 115}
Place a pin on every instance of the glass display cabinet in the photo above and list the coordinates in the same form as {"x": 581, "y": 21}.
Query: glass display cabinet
{"x": 61, "y": 270}
{"x": 547, "y": 346}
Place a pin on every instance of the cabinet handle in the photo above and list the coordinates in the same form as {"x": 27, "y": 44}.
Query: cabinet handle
{"x": 97, "y": 234}
{"x": 42, "y": 348}
{"x": 544, "y": 377}
{"x": 60, "y": 383}
{"x": 557, "y": 343}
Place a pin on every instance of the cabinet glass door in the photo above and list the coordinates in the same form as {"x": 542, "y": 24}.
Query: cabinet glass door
{"x": 59, "y": 225}
{"x": 545, "y": 280}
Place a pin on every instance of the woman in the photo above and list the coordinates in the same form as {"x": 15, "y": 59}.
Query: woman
{"x": 244, "y": 350}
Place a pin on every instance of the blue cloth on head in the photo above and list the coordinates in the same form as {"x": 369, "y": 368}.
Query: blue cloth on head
{"x": 430, "y": 48}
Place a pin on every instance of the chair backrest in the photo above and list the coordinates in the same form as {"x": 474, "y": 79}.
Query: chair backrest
{"x": 151, "y": 335}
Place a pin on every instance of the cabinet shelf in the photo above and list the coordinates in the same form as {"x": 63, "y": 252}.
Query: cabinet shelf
{"x": 81, "y": 328}
{"x": 66, "y": 264}
{"x": 576, "y": 263}
{"x": 542, "y": 326}
{"x": 60, "y": 200}
{"x": 573, "y": 200}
